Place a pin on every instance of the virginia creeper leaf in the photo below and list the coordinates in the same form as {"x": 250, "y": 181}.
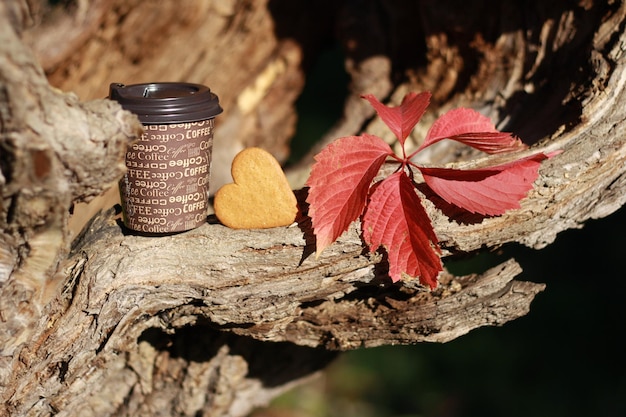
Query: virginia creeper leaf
{"x": 489, "y": 191}
{"x": 339, "y": 184}
{"x": 473, "y": 129}
{"x": 396, "y": 220}
{"x": 393, "y": 216}
{"x": 403, "y": 118}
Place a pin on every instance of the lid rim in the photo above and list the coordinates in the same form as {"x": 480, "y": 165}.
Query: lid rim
{"x": 172, "y": 102}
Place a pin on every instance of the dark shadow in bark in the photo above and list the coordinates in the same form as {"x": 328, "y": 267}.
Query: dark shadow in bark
{"x": 273, "y": 363}
{"x": 399, "y": 30}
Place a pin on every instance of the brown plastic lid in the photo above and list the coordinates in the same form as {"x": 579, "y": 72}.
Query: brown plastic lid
{"x": 168, "y": 102}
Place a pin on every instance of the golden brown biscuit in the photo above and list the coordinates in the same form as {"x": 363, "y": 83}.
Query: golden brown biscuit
{"x": 260, "y": 196}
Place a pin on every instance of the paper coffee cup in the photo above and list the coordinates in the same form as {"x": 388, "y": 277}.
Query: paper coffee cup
{"x": 166, "y": 186}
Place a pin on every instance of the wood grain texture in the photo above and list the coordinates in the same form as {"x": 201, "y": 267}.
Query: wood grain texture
{"x": 116, "y": 324}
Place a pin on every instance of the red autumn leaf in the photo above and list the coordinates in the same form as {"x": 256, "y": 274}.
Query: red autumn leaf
{"x": 393, "y": 216}
{"x": 473, "y": 129}
{"x": 339, "y": 184}
{"x": 396, "y": 220}
{"x": 489, "y": 191}
{"x": 403, "y": 118}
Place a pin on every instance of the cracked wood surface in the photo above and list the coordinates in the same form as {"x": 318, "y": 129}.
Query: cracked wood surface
{"x": 191, "y": 324}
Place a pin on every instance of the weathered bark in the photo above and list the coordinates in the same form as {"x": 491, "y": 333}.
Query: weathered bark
{"x": 190, "y": 324}
{"x": 228, "y": 45}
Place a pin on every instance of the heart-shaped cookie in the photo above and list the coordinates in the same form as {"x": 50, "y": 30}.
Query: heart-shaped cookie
{"x": 260, "y": 196}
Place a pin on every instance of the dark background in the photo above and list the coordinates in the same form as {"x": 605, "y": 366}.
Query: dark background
{"x": 565, "y": 358}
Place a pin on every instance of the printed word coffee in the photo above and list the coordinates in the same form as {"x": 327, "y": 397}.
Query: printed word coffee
{"x": 166, "y": 187}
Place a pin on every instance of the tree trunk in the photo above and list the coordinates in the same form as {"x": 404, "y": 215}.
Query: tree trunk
{"x": 216, "y": 321}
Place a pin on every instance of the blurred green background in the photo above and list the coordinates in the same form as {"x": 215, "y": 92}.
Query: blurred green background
{"x": 565, "y": 358}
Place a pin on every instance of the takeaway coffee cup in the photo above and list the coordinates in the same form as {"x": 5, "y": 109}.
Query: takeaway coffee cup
{"x": 166, "y": 187}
